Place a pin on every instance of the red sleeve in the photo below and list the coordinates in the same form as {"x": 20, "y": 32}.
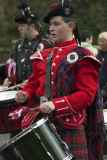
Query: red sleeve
{"x": 33, "y": 81}
{"x": 86, "y": 86}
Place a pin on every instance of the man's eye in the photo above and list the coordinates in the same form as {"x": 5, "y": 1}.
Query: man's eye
{"x": 56, "y": 24}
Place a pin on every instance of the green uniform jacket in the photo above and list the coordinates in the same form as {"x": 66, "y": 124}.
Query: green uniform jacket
{"x": 22, "y": 52}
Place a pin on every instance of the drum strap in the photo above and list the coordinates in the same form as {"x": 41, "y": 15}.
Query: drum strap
{"x": 48, "y": 87}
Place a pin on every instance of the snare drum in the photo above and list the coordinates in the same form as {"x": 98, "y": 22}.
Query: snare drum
{"x": 8, "y": 104}
{"x": 38, "y": 142}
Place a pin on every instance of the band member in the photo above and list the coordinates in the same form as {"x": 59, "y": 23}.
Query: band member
{"x": 33, "y": 39}
{"x": 72, "y": 94}
{"x": 102, "y": 57}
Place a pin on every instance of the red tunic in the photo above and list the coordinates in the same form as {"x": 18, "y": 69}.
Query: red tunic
{"x": 67, "y": 108}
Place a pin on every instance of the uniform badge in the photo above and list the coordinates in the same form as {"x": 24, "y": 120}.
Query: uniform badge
{"x": 72, "y": 57}
{"x": 22, "y": 60}
{"x": 67, "y": 11}
{"x": 40, "y": 46}
{"x": 19, "y": 47}
{"x": 36, "y": 55}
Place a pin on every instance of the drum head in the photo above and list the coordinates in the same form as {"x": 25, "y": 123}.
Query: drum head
{"x": 7, "y": 96}
{"x": 105, "y": 117}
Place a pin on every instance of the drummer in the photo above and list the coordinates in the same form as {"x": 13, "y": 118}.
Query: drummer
{"x": 75, "y": 104}
{"x": 32, "y": 40}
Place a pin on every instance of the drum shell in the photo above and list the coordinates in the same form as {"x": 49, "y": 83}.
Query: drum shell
{"x": 38, "y": 142}
{"x": 7, "y": 126}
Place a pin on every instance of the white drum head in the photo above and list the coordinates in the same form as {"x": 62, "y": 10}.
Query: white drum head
{"x": 105, "y": 116}
{"x": 7, "y": 95}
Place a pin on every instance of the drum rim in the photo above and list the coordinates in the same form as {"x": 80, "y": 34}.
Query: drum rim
{"x": 8, "y": 101}
{"x": 38, "y": 123}
{"x": 104, "y": 112}
{"x": 24, "y": 132}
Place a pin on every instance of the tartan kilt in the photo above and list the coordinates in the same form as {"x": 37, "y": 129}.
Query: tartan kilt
{"x": 75, "y": 139}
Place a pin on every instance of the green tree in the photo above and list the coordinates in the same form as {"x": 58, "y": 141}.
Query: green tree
{"x": 91, "y": 14}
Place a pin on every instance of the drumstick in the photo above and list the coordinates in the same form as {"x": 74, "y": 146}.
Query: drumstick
{"x": 16, "y": 87}
{"x": 6, "y": 89}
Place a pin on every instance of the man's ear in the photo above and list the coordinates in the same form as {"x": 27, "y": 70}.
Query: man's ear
{"x": 71, "y": 26}
{"x": 32, "y": 26}
{"x": 87, "y": 40}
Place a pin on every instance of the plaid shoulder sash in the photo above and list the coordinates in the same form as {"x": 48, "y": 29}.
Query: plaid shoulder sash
{"x": 65, "y": 85}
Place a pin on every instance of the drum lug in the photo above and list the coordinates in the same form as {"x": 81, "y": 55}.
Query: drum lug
{"x": 65, "y": 145}
{"x": 37, "y": 135}
{"x": 68, "y": 158}
{"x": 53, "y": 127}
{"x": 50, "y": 155}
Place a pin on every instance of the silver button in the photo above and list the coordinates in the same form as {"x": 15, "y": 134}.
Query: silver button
{"x": 60, "y": 49}
{"x": 67, "y": 119}
{"x": 53, "y": 64}
{"x": 52, "y": 73}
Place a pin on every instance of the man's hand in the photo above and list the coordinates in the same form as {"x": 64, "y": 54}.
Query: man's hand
{"x": 47, "y": 107}
{"x": 7, "y": 82}
{"x": 21, "y": 97}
